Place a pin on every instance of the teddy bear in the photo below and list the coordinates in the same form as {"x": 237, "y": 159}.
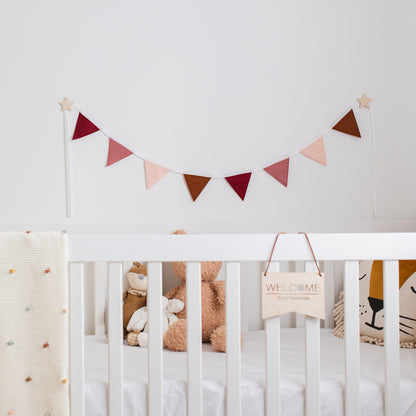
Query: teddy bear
{"x": 212, "y": 307}
{"x": 138, "y": 326}
{"x": 135, "y": 297}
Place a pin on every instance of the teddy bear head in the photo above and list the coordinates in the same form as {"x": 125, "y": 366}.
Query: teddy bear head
{"x": 209, "y": 269}
{"x": 137, "y": 277}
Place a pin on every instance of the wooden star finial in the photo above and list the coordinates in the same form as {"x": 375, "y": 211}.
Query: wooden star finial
{"x": 66, "y": 104}
{"x": 364, "y": 101}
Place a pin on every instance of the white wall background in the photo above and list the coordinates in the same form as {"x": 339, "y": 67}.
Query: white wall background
{"x": 211, "y": 87}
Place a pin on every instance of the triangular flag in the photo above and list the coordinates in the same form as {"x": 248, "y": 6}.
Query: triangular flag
{"x": 196, "y": 184}
{"x": 279, "y": 171}
{"x": 316, "y": 151}
{"x": 348, "y": 124}
{"x": 153, "y": 173}
{"x": 116, "y": 152}
{"x": 84, "y": 127}
{"x": 239, "y": 183}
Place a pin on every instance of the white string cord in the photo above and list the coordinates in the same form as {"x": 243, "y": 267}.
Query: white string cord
{"x": 182, "y": 172}
{"x": 374, "y": 167}
{"x": 67, "y": 166}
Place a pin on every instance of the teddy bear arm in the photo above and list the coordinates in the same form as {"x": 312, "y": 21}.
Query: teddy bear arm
{"x": 219, "y": 288}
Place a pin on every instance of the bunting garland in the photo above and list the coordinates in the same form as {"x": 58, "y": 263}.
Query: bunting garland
{"x": 279, "y": 170}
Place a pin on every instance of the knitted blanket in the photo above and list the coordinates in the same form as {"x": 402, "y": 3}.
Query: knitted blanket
{"x": 33, "y": 324}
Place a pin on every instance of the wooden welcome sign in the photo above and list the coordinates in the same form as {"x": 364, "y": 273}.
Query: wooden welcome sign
{"x": 293, "y": 292}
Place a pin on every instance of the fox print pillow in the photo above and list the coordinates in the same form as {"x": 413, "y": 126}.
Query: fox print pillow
{"x": 371, "y": 303}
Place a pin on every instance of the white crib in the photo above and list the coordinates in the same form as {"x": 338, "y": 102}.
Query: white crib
{"x": 232, "y": 249}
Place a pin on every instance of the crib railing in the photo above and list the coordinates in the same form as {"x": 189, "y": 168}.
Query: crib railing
{"x": 232, "y": 249}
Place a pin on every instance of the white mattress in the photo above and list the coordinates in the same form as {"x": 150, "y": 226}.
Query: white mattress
{"x": 253, "y": 372}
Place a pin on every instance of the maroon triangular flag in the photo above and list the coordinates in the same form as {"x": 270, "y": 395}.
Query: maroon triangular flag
{"x": 279, "y": 171}
{"x": 196, "y": 184}
{"x": 84, "y": 127}
{"x": 239, "y": 183}
{"x": 348, "y": 124}
{"x": 116, "y": 152}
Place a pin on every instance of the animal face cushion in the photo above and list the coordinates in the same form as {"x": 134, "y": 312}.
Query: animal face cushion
{"x": 371, "y": 303}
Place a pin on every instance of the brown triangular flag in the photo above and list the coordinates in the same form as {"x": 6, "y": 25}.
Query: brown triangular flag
{"x": 348, "y": 124}
{"x": 196, "y": 184}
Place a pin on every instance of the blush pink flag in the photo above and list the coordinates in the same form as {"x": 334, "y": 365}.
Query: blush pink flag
{"x": 279, "y": 171}
{"x": 316, "y": 151}
{"x": 116, "y": 152}
{"x": 239, "y": 183}
{"x": 153, "y": 173}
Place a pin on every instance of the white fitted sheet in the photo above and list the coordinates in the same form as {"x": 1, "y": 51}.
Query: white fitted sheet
{"x": 253, "y": 375}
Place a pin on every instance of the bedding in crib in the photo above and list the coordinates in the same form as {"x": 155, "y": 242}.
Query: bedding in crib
{"x": 253, "y": 376}
{"x": 33, "y": 324}
{"x": 371, "y": 304}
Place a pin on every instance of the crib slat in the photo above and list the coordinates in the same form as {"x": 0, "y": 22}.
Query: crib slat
{"x": 115, "y": 339}
{"x": 100, "y": 280}
{"x": 352, "y": 339}
{"x": 233, "y": 339}
{"x": 194, "y": 335}
{"x": 329, "y": 268}
{"x": 391, "y": 338}
{"x": 312, "y": 354}
{"x": 272, "y": 325}
{"x": 76, "y": 310}
{"x": 155, "y": 350}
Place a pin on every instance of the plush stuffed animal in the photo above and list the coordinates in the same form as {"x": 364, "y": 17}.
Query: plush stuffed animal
{"x": 135, "y": 297}
{"x": 212, "y": 307}
{"x": 138, "y": 326}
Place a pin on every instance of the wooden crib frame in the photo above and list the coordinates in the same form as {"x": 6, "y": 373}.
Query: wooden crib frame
{"x": 232, "y": 249}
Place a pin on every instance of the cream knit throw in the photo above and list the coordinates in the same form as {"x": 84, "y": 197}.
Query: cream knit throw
{"x": 33, "y": 324}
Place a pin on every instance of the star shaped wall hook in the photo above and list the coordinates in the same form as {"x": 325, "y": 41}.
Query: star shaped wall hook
{"x": 66, "y": 104}
{"x": 364, "y": 101}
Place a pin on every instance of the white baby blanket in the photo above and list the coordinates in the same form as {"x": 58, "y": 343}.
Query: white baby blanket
{"x": 33, "y": 324}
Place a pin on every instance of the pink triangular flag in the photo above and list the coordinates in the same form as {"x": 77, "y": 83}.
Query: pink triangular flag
{"x": 116, "y": 152}
{"x": 279, "y": 171}
{"x": 316, "y": 151}
{"x": 153, "y": 173}
{"x": 239, "y": 183}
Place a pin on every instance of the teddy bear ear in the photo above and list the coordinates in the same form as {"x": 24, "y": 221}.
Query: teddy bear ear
{"x": 137, "y": 264}
{"x": 179, "y": 232}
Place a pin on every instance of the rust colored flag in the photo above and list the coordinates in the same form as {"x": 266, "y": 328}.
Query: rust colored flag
{"x": 196, "y": 184}
{"x": 348, "y": 124}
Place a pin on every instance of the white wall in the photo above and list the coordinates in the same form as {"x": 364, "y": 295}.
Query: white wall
{"x": 211, "y": 87}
